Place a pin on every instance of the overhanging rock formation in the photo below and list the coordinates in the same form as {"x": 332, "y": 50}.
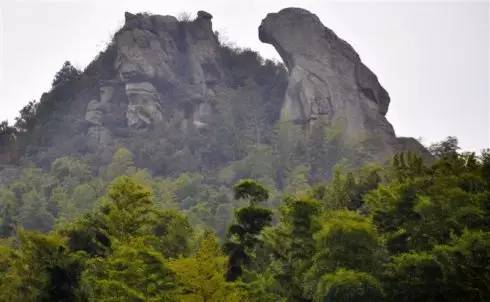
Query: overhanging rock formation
{"x": 329, "y": 84}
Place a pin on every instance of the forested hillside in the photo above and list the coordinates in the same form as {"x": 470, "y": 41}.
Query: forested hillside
{"x": 404, "y": 232}
{"x": 176, "y": 167}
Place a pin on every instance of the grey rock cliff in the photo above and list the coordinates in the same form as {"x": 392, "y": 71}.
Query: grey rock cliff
{"x": 329, "y": 83}
{"x": 162, "y": 68}
{"x": 161, "y": 51}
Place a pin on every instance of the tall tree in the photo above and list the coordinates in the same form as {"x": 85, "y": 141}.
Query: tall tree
{"x": 7, "y": 137}
{"x": 26, "y": 119}
{"x": 292, "y": 244}
{"x": 243, "y": 236}
{"x": 66, "y": 74}
{"x": 201, "y": 277}
{"x": 135, "y": 271}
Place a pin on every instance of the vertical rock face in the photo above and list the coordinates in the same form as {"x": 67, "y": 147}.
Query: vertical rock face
{"x": 144, "y": 106}
{"x": 159, "y": 53}
{"x": 328, "y": 82}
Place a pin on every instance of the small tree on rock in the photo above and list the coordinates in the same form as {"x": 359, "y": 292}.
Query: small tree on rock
{"x": 66, "y": 74}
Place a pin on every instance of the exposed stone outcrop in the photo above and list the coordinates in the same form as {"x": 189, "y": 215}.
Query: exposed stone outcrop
{"x": 106, "y": 92}
{"x": 161, "y": 51}
{"x": 144, "y": 104}
{"x": 98, "y": 136}
{"x": 94, "y": 114}
{"x": 169, "y": 91}
{"x": 329, "y": 83}
{"x": 162, "y": 66}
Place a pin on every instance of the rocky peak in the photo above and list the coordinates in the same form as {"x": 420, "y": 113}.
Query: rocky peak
{"x": 305, "y": 43}
{"x": 204, "y": 15}
{"x": 157, "y": 52}
{"x": 285, "y": 29}
{"x": 328, "y": 82}
{"x": 159, "y": 63}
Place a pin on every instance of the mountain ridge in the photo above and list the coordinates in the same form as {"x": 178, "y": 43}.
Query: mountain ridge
{"x": 169, "y": 86}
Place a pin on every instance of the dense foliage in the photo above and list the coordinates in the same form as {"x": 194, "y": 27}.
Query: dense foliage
{"x": 410, "y": 231}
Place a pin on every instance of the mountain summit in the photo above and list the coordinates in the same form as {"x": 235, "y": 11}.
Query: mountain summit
{"x": 180, "y": 100}
{"x": 329, "y": 84}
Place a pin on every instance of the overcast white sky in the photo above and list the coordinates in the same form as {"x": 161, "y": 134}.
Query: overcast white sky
{"x": 432, "y": 57}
